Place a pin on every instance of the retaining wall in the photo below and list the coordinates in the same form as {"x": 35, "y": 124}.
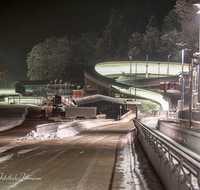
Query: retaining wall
{"x": 169, "y": 179}
{"x": 189, "y": 138}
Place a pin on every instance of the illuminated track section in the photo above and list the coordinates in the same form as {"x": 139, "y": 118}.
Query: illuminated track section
{"x": 106, "y": 75}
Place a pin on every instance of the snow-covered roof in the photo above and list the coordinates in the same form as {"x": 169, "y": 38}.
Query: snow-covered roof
{"x": 97, "y": 98}
{"x": 33, "y": 82}
{"x": 128, "y": 102}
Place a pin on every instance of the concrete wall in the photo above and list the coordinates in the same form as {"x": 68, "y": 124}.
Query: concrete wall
{"x": 190, "y": 138}
{"x": 87, "y": 112}
{"x": 46, "y": 128}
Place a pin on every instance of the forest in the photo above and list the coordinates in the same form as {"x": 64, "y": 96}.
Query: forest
{"x": 132, "y": 31}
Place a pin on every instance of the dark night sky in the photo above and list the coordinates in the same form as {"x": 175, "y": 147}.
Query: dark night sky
{"x": 25, "y": 23}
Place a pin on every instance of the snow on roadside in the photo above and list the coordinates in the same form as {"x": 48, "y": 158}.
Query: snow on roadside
{"x": 12, "y": 116}
{"x": 69, "y": 129}
{"x": 5, "y": 158}
{"x": 6, "y": 124}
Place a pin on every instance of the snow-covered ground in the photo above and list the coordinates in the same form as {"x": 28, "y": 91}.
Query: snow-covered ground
{"x": 69, "y": 129}
{"x": 11, "y": 115}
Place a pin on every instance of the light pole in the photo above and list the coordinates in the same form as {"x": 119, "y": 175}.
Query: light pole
{"x": 198, "y": 5}
{"x": 135, "y": 78}
{"x": 168, "y": 65}
{"x": 198, "y": 55}
{"x": 158, "y": 74}
{"x": 182, "y": 82}
{"x": 130, "y": 90}
{"x": 147, "y": 66}
{"x": 65, "y": 88}
{"x": 51, "y": 91}
{"x": 182, "y": 79}
{"x": 40, "y": 94}
{"x": 130, "y": 65}
{"x": 198, "y": 87}
{"x": 60, "y": 86}
{"x": 47, "y": 90}
{"x": 55, "y": 85}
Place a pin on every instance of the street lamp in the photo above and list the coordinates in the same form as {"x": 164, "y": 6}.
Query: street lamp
{"x": 130, "y": 65}
{"x": 168, "y": 65}
{"x": 51, "y": 91}
{"x": 198, "y": 55}
{"x": 147, "y": 66}
{"x": 198, "y": 5}
{"x": 182, "y": 79}
{"x": 47, "y": 90}
{"x": 60, "y": 85}
{"x": 135, "y": 77}
{"x": 55, "y": 85}
{"x": 198, "y": 103}
{"x": 130, "y": 90}
{"x": 158, "y": 74}
{"x": 65, "y": 88}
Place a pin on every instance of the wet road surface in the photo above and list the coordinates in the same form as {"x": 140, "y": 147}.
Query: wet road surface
{"x": 85, "y": 161}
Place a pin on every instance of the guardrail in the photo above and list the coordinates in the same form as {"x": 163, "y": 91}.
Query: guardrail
{"x": 174, "y": 161}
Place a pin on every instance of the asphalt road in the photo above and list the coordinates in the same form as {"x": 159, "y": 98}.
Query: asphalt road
{"x": 85, "y": 161}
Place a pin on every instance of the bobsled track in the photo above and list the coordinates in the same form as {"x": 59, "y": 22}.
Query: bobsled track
{"x": 127, "y": 79}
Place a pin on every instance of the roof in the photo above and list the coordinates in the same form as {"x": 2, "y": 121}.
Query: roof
{"x": 33, "y": 82}
{"x": 97, "y": 98}
{"x": 39, "y": 83}
{"x": 128, "y": 102}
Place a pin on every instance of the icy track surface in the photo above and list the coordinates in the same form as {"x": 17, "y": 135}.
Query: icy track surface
{"x": 69, "y": 129}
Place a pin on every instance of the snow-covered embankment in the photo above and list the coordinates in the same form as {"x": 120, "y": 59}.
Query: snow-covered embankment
{"x": 12, "y": 116}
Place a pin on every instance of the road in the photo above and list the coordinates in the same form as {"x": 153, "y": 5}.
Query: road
{"x": 85, "y": 161}
{"x": 82, "y": 162}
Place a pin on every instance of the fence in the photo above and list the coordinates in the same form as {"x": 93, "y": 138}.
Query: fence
{"x": 176, "y": 169}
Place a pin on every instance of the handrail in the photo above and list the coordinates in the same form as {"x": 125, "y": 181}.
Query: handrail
{"x": 188, "y": 168}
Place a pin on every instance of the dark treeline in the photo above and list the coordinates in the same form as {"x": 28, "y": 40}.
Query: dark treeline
{"x": 136, "y": 31}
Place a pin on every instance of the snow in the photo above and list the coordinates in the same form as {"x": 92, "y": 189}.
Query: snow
{"x": 5, "y": 158}
{"x": 12, "y": 115}
{"x": 6, "y": 123}
{"x": 69, "y": 129}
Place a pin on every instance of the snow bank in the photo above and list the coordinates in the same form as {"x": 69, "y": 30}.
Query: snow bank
{"x": 66, "y": 129}
{"x": 6, "y": 123}
{"x": 12, "y": 116}
{"x": 5, "y": 158}
{"x": 69, "y": 129}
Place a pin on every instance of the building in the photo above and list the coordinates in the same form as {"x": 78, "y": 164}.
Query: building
{"x": 112, "y": 107}
{"x": 42, "y": 88}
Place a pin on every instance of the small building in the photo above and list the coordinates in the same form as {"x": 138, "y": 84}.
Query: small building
{"x": 33, "y": 88}
{"x": 42, "y": 88}
{"x": 112, "y": 107}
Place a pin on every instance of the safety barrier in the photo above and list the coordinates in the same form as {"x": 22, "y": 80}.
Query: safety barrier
{"x": 176, "y": 169}
{"x": 46, "y": 128}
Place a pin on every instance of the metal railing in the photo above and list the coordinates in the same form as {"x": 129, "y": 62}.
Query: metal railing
{"x": 187, "y": 167}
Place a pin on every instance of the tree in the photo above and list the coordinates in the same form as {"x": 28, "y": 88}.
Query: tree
{"x": 171, "y": 22}
{"x": 61, "y": 58}
{"x": 108, "y": 45}
{"x": 151, "y": 38}
{"x": 187, "y": 17}
{"x": 47, "y": 60}
{"x": 81, "y": 54}
{"x": 135, "y": 42}
{"x": 168, "y": 45}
